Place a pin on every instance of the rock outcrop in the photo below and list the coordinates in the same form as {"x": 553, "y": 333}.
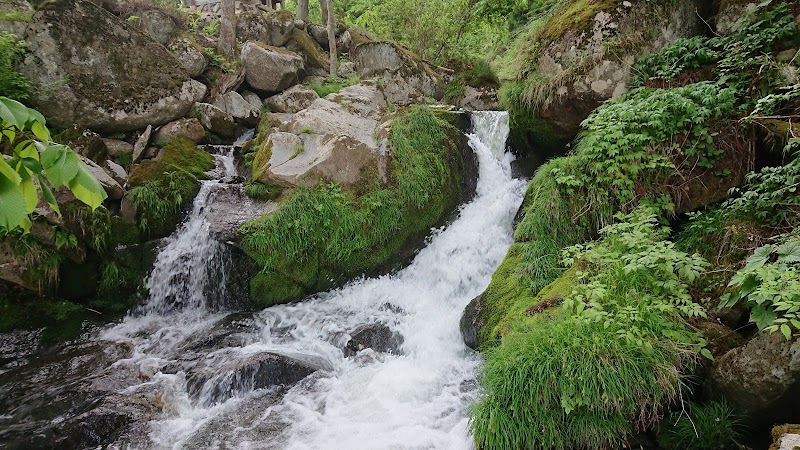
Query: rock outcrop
{"x": 271, "y": 69}
{"x": 292, "y": 100}
{"x": 92, "y": 69}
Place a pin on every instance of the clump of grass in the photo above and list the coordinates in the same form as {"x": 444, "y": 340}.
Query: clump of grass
{"x": 709, "y": 426}
{"x": 332, "y": 85}
{"x": 116, "y": 277}
{"x": 160, "y": 202}
{"x": 95, "y": 225}
{"x": 260, "y": 191}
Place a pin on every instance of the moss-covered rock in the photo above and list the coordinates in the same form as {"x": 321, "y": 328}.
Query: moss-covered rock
{"x": 317, "y": 61}
{"x": 323, "y": 236}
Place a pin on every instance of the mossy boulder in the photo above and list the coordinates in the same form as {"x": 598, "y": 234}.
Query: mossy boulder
{"x": 162, "y": 188}
{"x": 14, "y": 16}
{"x": 90, "y": 68}
{"x": 317, "y": 61}
{"x": 583, "y": 55}
{"x": 323, "y": 236}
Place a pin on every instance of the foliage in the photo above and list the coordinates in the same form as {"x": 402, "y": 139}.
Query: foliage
{"x": 37, "y": 163}
{"x": 323, "y": 234}
{"x": 38, "y": 264}
{"x": 95, "y": 225}
{"x": 708, "y": 426}
{"x": 604, "y": 367}
{"x": 771, "y": 195}
{"x": 769, "y": 284}
{"x": 260, "y": 191}
{"x": 13, "y": 84}
{"x": 332, "y": 85}
{"x": 160, "y": 201}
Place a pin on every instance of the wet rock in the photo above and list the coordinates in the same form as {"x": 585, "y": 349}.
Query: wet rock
{"x": 228, "y": 374}
{"x": 156, "y": 24}
{"x": 190, "y": 129}
{"x": 109, "y": 77}
{"x": 17, "y": 347}
{"x": 231, "y": 209}
{"x": 271, "y": 69}
{"x": 190, "y": 55}
{"x": 117, "y": 148}
{"x": 760, "y": 380}
{"x": 377, "y": 336}
{"x": 214, "y": 119}
{"x": 294, "y": 99}
{"x": 240, "y": 109}
{"x": 471, "y": 323}
{"x": 140, "y": 147}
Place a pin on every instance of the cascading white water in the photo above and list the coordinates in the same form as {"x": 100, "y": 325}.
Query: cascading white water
{"x": 418, "y": 398}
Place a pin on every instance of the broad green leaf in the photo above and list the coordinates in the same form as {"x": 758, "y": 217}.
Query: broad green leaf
{"x": 9, "y": 172}
{"x": 787, "y": 332}
{"x": 705, "y": 352}
{"x": 60, "y": 164}
{"x": 12, "y": 202}
{"x": 14, "y": 112}
{"x": 85, "y": 186}
{"x": 48, "y": 195}
{"x": 40, "y": 131}
{"x": 28, "y": 150}
{"x": 789, "y": 252}
{"x": 10, "y": 134}
{"x": 29, "y": 192}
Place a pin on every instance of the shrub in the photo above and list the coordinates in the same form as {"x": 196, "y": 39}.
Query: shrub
{"x": 12, "y": 83}
{"x": 709, "y": 426}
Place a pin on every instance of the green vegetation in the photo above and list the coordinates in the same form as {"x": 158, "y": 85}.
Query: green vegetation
{"x": 260, "y": 191}
{"x": 35, "y": 164}
{"x": 602, "y": 366}
{"x": 12, "y": 83}
{"x": 323, "y": 235}
{"x": 709, "y": 426}
{"x": 332, "y": 85}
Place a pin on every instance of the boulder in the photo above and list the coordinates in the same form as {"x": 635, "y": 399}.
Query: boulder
{"x": 479, "y": 99}
{"x": 326, "y": 117}
{"x": 156, "y": 24}
{"x": 190, "y": 55}
{"x": 363, "y": 99}
{"x": 271, "y": 69}
{"x": 730, "y": 14}
{"x": 211, "y": 383}
{"x": 272, "y": 28}
{"x": 214, "y": 119}
{"x": 116, "y": 172}
{"x": 253, "y": 99}
{"x": 199, "y": 89}
{"x": 110, "y": 185}
{"x": 294, "y": 99}
{"x": 140, "y": 147}
{"x": 187, "y": 128}
{"x": 406, "y": 77}
{"x": 13, "y": 16}
{"x": 85, "y": 143}
{"x": 471, "y": 323}
{"x": 117, "y": 148}
{"x": 378, "y": 337}
{"x": 785, "y": 437}
{"x": 578, "y": 69}
{"x": 88, "y": 67}
{"x": 231, "y": 209}
{"x": 320, "y": 34}
{"x": 316, "y": 61}
{"x": 347, "y": 69}
{"x": 240, "y": 109}
{"x": 760, "y": 380}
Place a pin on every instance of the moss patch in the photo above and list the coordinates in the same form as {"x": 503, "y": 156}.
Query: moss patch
{"x": 576, "y": 15}
{"x": 310, "y": 50}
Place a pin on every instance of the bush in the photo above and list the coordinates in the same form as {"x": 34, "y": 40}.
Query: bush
{"x": 709, "y": 426}
{"x": 12, "y": 83}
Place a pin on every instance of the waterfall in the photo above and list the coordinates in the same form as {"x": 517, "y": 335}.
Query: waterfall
{"x": 414, "y": 395}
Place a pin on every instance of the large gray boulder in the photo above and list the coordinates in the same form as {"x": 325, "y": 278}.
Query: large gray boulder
{"x": 12, "y": 16}
{"x": 92, "y": 69}
{"x": 156, "y": 24}
{"x": 270, "y": 27}
{"x": 118, "y": 148}
{"x": 240, "y": 109}
{"x": 760, "y": 380}
{"x": 214, "y": 119}
{"x": 407, "y": 79}
{"x": 327, "y": 117}
{"x": 110, "y": 185}
{"x": 190, "y": 129}
{"x": 271, "y": 69}
{"x": 363, "y": 99}
{"x": 190, "y": 55}
{"x": 294, "y": 99}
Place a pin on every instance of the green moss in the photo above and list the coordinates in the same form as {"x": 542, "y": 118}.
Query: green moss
{"x": 61, "y": 319}
{"x": 332, "y": 85}
{"x": 123, "y": 232}
{"x": 575, "y": 15}
{"x": 187, "y": 156}
{"x": 323, "y": 236}
{"x": 310, "y": 50}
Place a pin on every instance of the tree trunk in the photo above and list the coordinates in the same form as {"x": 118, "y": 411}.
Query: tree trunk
{"x": 332, "y": 37}
{"x": 323, "y": 6}
{"x": 227, "y": 32}
{"x": 302, "y": 10}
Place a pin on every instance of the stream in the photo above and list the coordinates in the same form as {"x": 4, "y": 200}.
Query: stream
{"x": 377, "y": 364}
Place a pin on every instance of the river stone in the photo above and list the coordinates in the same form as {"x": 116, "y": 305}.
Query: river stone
{"x": 190, "y": 129}
{"x": 140, "y": 147}
{"x": 269, "y": 27}
{"x": 227, "y": 374}
{"x": 214, "y": 119}
{"x": 116, "y": 172}
{"x": 190, "y": 55}
{"x": 231, "y": 209}
{"x": 240, "y": 109}
{"x": 471, "y": 323}
{"x": 156, "y": 24}
{"x": 377, "y": 336}
{"x": 115, "y": 147}
{"x": 88, "y": 67}
{"x": 294, "y": 99}
{"x": 760, "y": 380}
{"x": 271, "y": 69}
{"x": 363, "y": 99}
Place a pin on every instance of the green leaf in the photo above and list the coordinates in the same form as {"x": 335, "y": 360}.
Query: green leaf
{"x": 14, "y": 112}
{"x": 29, "y": 192}
{"x": 48, "y": 195}
{"x": 789, "y": 252}
{"x": 12, "y": 202}
{"x": 787, "y": 332}
{"x": 706, "y": 353}
{"x": 9, "y": 172}
{"x": 85, "y": 186}
{"x": 60, "y": 164}
{"x": 40, "y": 131}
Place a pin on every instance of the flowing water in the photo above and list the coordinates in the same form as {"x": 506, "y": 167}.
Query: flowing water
{"x": 188, "y": 351}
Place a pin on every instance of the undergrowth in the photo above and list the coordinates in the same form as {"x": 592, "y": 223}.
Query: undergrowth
{"x": 332, "y": 85}
{"x": 708, "y": 426}
{"x": 13, "y": 84}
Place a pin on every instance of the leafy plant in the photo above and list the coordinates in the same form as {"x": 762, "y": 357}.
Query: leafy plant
{"x": 159, "y": 201}
{"x": 35, "y": 164}
{"x": 212, "y": 28}
{"x": 771, "y": 195}
{"x": 12, "y": 83}
{"x": 708, "y": 426}
{"x": 769, "y": 284}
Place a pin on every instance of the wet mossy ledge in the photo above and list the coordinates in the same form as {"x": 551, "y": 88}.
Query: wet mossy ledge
{"x": 324, "y": 236}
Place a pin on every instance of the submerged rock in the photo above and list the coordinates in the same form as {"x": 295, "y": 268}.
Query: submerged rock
{"x": 90, "y": 68}
{"x": 471, "y": 323}
{"x": 377, "y": 336}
